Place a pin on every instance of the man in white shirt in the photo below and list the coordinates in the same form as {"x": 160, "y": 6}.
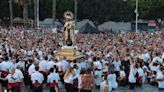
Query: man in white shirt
{"x": 20, "y": 75}
{"x": 21, "y": 65}
{"x": 98, "y": 72}
{"x": 112, "y": 80}
{"x": 40, "y": 53}
{"x": 157, "y": 59}
{"x": 37, "y": 79}
{"x": 65, "y": 64}
{"x": 5, "y": 66}
{"x": 29, "y": 52}
{"x": 140, "y": 75}
{"x": 12, "y": 79}
{"x": 51, "y": 64}
{"x": 132, "y": 78}
{"x": 53, "y": 79}
{"x": 146, "y": 56}
{"x": 163, "y": 56}
{"x": 117, "y": 64}
{"x": 31, "y": 69}
{"x": 160, "y": 79}
{"x": 1, "y": 59}
{"x": 82, "y": 64}
{"x": 43, "y": 66}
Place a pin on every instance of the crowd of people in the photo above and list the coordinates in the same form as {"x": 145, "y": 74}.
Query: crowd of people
{"x": 126, "y": 59}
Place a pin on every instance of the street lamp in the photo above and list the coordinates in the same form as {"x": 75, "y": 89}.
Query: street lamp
{"x": 137, "y": 15}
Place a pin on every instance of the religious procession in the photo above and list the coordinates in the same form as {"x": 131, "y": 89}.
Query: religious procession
{"x": 82, "y": 56}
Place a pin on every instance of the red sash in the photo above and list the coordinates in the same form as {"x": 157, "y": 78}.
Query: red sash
{"x": 4, "y": 73}
{"x": 36, "y": 84}
{"x": 54, "y": 84}
{"x": 139, "y": 78}
{"x": 21, "y": 68}
{"x": 11, "y": 85}
{"x": 43, "y": 72}
{"x": 19, "y": 83}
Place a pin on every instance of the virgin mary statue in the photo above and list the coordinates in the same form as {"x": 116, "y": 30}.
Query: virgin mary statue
{"x": 69, "y": 29}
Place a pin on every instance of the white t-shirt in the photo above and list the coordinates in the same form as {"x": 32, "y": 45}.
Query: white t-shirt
{"x": 51, "y": 64}
{"x": 145, "y": 57}
{"x": 40, "y": 53}
{"x": 0, "y": 66}
{"x": 117, "y": 65}
{"x": 98, "y": 78}
{"x": 29, "y": 52}
{"x": 21, "y": 64}
{"x": 122, "y": 74}
{"x": 52, "y": 77}
{"x": 14, "y": 65}
{"x": 112, "y": 81}
{"x": 163, "y": 56}
{"x": 31, "y": 69}
{"x": 132, "y": 74}
{"x": 89, "y": 53}
{"x": 140, "y": 72}
{"x": 6, "y": 65}
{"x": 105, "y": 68}
{"x": 12, "y": 78}
{"x": 83, "y": 65}
{"x": 19, "y": 74}
{"x": 37, "y": 76}
{"x": 154, "y": 68}
{"x": 98, "y": 64}
{"x": 160, "y": 83}
{"x": 79, "y": 81}
{"x": 157, "y": 60}
{"x": 43, "y": 65}
{"x": 65, "y": 65}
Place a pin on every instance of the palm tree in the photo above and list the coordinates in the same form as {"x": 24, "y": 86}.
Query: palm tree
{"x": 24, "y": 3}
{"x": 11, "y": 12}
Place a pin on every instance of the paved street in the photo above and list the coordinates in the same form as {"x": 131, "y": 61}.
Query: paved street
{"x": 145, "y": 88}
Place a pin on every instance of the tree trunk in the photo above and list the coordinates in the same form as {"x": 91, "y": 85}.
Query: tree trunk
{"x": 54, "y": 10}
{"x": 75, "y": 10}
{"x": 36, "y": 13}
{"x": 25, "y": 13}
{"x": 11, "y": 12}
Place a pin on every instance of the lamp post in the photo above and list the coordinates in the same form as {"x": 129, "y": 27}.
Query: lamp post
{"x": 137, "y": 14}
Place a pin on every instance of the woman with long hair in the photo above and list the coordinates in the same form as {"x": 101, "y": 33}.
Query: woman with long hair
{"x": 68, "y": 80}
{"x": 132, "y": 74}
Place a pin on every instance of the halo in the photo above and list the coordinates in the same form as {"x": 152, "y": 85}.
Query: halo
{"x": 68, "y": 15}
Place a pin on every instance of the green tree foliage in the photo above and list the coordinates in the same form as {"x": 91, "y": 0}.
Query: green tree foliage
{"x": 147, "y": 7}
{"x": 96, "y": 10}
